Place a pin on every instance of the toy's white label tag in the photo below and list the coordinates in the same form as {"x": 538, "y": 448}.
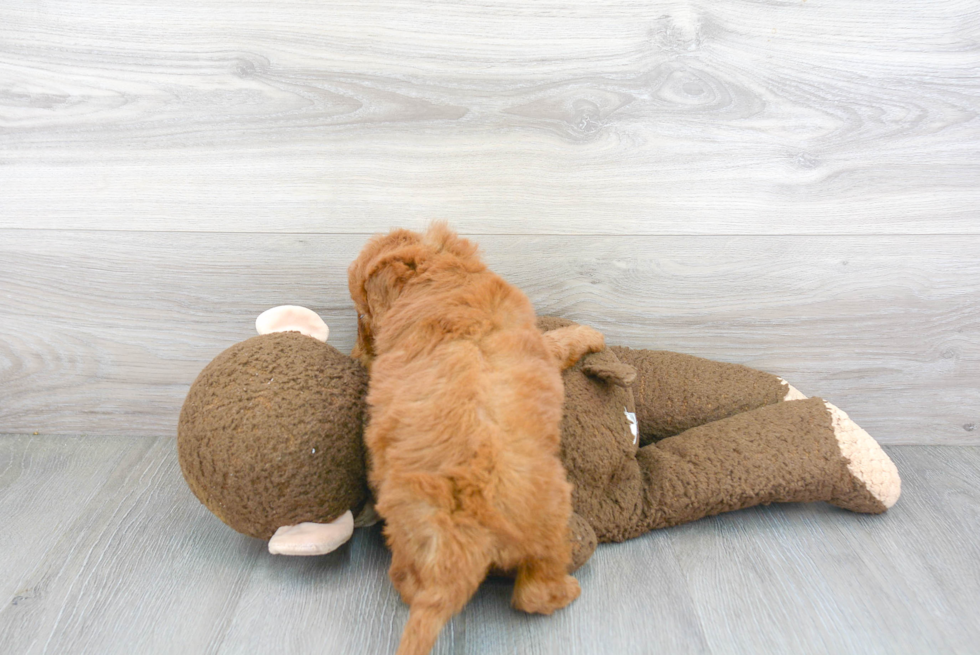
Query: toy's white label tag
{"x": 634, "y": 430}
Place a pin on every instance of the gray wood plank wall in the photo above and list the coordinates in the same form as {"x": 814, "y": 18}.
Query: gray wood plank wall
{"x": 790, "y": 185}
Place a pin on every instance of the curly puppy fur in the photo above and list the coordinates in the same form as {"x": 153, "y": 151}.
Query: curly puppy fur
{"x": 465, "y": 402}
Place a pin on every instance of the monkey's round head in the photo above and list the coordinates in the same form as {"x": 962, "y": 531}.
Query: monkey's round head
{"x": 271, "y": 431}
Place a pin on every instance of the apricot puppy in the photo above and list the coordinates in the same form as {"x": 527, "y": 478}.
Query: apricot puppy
{"x": 465, "y": 402}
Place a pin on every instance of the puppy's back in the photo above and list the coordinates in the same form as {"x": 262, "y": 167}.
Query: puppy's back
{"x": 463, "y": 435}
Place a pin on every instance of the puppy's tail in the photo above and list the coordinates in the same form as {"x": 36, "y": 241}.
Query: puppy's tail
{"x": 449, "y": 570}
{"x": 425, "y": 620}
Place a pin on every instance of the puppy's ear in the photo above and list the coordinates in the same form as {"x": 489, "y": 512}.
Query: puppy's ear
{"x": 388, "y": 275}
{"x": 375, "y": 285}
{"x": 442, "y": 239}
{"x": 375, "y": 257}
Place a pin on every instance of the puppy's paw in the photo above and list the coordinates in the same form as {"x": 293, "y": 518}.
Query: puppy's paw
{"x": 568, "y": 344}
{"x": 536, "y": 596}
{"x": 591, "y": 340}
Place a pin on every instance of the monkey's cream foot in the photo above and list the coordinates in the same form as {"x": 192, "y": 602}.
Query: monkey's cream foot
{"x": 875, "y": 484}
{"x": 312, "y": 538}
{"x": 792, "y": 393}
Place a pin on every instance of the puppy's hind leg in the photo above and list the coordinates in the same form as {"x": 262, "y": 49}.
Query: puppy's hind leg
{"x": 447, "y": 576}
{"x": 404, "y": 576}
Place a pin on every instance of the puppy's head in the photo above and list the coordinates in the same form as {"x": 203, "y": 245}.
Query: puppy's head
{"x": 388, "y": 263}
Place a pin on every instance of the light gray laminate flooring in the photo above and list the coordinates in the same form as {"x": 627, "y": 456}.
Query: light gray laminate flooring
{"x": 105, "y": 550}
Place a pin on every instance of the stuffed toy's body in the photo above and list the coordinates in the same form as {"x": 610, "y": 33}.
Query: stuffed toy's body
{"x": 270, "y": 440}
{"x": 652, "y": 439}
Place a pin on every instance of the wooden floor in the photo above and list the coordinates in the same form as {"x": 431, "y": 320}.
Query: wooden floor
{"x": 105, "y": 550}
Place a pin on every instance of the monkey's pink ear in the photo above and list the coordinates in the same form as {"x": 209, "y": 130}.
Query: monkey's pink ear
{"x": 292, "y": 318}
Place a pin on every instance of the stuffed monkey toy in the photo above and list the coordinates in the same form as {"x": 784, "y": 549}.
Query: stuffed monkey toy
{"x": 270, "y": 439}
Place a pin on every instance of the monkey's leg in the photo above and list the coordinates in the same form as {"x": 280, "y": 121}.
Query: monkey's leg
{"x": 676, "y": 392}
{"x": 800, "y": 451}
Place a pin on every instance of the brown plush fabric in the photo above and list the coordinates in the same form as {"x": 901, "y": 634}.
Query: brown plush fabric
{"x": 726, "y": 441}
{"x": 676, "y": 392}
{"x": 274, "y": 399}
{"x": 546, "y": 323}
{"x": 583, "y": 539}
{"x": 598, "y": 449}
{"x": 254, "y": 416}
{"x": 786, "y": 452}
{"x": 855, "y": 497}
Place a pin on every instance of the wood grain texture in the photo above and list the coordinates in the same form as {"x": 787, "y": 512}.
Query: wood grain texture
{"x": 140, "y": 569}
{"x": 102, "y": 332}
{"x": 138, "y": 565}
{"x": 620, "y": 117}
{"x": 45, "y": 484}
{"x": 843, "y": 583}
{"x": 790, "y": 185}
